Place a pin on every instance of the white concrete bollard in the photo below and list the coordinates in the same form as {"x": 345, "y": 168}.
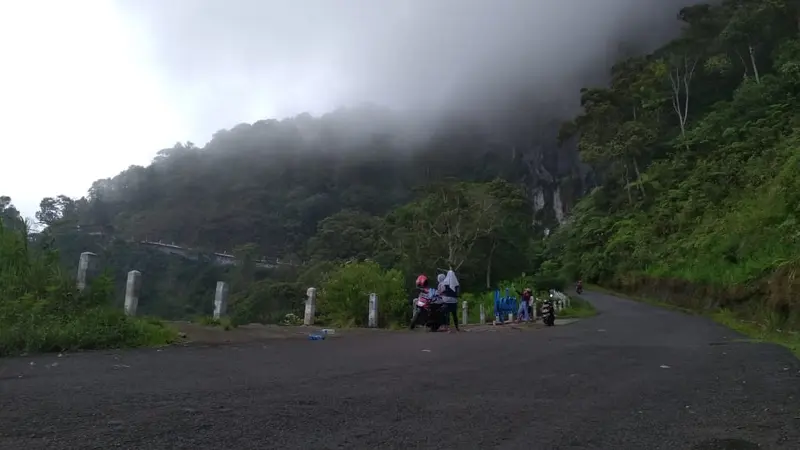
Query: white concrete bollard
{"x": 510, "y": 317}
{"x": 464, "y": 315}
{"x": 533, "y": 309}
{"x": 373, "y": 311}
{"x": 311, "y": 306}
{"x": 132, "y": 288}
{"x": 84, "y": 264}
{"x": 221, "y": 300}
{"x": 482, "y": 311}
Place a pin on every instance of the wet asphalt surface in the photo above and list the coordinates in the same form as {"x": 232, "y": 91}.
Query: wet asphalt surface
{"x": 633, "y": 377}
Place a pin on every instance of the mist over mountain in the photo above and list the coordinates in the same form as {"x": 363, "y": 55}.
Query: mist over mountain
{"x": 252, "y": 59}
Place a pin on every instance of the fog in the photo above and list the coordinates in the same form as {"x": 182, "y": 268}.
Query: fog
{"x": 247, "y": 59}
{"x": 143, "y": 74}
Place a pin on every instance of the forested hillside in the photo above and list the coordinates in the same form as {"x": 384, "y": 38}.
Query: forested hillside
{"x": 679, "y": 178}
{"x": 271, "y": 183}
{"x": 698, "y": 145}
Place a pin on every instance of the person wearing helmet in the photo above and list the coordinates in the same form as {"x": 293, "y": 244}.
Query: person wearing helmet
{"x": 424, "y": 287}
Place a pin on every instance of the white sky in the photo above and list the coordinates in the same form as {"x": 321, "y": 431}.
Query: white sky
{"x": 77, "y": 101}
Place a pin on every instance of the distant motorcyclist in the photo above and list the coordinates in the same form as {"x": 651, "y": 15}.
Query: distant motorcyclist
{"x": 579, "y": 287}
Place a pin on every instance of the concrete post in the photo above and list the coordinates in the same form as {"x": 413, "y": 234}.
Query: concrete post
{"x": 464, "y": 315}
{"x": 533, "y": 309}
{"x": 132, "y": 289}
{"x": 311, "y": 306}
{"x": 84, "y": 264}
{"x": 221, "y": 300}
{"x": 510, "y": 317}
{"x": 483, "y": 314}
{"x": 373, "y": 311}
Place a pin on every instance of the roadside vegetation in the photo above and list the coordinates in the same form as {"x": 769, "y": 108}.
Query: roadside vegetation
{"x": 699, "y": 149}
{"x": 42, "y": 311}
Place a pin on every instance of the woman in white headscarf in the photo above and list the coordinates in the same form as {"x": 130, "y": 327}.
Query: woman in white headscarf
{"x": 448, "y": 290}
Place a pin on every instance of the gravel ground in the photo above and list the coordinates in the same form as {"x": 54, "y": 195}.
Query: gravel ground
{"x": 633, "y": 377}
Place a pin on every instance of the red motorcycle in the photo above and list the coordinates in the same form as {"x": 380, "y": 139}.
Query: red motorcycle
{"x": 427, "y": 313}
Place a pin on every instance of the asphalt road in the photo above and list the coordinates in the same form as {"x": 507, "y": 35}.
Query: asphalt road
{"x": 634, "y": 377}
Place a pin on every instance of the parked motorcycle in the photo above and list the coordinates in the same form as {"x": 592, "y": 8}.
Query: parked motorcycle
{"x": 426, "y": 313}
{"x": 579, "y": 289}
{"x": 548, "y": 312}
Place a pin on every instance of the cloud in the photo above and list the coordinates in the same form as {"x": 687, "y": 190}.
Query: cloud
{"x": 248, "y": 59}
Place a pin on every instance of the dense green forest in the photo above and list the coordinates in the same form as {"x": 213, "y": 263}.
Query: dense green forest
{"x": 679, "y": 179}
{"x": 698, "y": 147}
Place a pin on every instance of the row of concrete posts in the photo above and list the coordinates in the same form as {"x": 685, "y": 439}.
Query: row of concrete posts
{"x": 133, "y": 287}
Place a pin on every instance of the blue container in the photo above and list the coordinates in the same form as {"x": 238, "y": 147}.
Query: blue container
{"x": 316, "y": 337}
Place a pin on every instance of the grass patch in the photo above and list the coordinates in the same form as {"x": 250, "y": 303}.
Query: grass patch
{"x": 758, "y": 330}
{"x": 578, "y": 308}
{"x": 209, "y": 321}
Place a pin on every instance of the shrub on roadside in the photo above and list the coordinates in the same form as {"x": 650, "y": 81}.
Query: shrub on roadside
{"x": 41, "y": 310}
{"x": 344, "y": 296}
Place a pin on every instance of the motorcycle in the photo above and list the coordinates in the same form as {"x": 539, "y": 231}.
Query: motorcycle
{"x": 579, "y": 289}
{"x": 548, "y": 312}
{"x": 426, "y": 313}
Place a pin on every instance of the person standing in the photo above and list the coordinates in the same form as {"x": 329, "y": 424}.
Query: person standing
{"x": 524, "y": 305}
{"x": 448, "y": 289}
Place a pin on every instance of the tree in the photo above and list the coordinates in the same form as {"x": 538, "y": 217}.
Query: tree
{"x": 348, "y": 234}
{"x": 10, "y": 216}
{"x": 54, "y": 210}
{"x": 750, "y": 25}
{"x": 449, "y": 219}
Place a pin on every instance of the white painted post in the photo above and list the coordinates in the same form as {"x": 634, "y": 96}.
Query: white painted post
{"x": 533, "y": 309}
{"x": 311, "y": 306}
{"x": 464, "y": 313}
{"x": 510, "y": 317}
{"x": 373, "y": 310}
{"x": 132, "y": 289}
{"x": 482, "y": 314}
{"x": 84, "y": 264}
{"x": 221, "y": 300}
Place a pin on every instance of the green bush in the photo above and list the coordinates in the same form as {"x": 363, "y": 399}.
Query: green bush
{"x": 474, "y": 300}
{"x": 41, "y": 310}
{"x": 344, "y": 296}
{"x": 267, "y": 301}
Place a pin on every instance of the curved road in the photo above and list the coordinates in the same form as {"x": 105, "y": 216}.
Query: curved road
{"x": 634, "y": 377}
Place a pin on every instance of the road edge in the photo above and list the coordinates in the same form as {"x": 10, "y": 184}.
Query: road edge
{"x": 787, "y": 339}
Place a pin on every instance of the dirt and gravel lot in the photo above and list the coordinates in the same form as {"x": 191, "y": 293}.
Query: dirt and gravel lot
{"x": 633, "y": 377}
